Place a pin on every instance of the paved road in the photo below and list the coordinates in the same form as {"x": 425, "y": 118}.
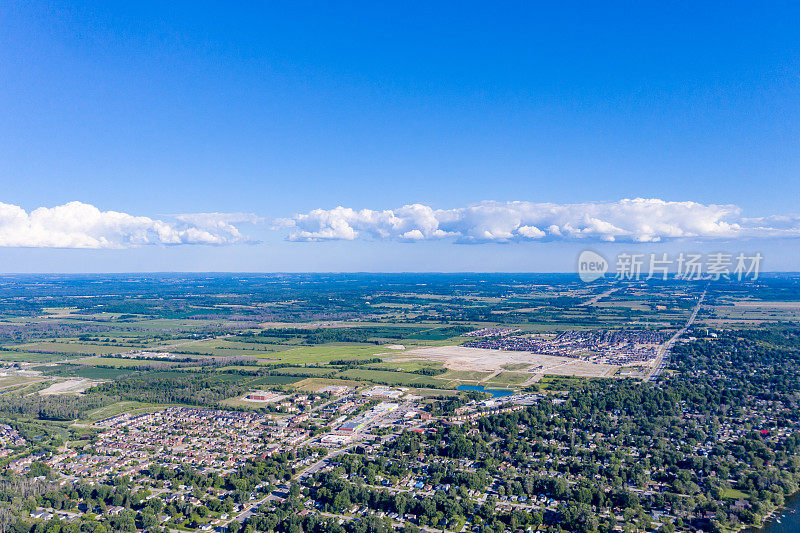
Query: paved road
{"x": 597, "y": 298}
{"x": 665, "y": 349}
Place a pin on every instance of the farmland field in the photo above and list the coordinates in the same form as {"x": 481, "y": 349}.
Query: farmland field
{"x": 89, "y": 372}
{"x": 328, "y": 353}
{"x": 29, "y": 357}
{"x": 71, "y": 348}
{"x": 392, "y": 378}
{"x": 226, "y": 348}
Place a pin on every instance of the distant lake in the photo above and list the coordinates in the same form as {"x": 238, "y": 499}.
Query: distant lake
{"x": 494, "y": 392}
{"x": 789, "y": 523}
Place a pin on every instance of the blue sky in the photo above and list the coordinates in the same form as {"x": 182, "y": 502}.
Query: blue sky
{"x": 156, "y": 110}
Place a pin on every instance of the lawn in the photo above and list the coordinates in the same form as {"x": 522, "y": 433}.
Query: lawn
{"x": 733, "y": 494}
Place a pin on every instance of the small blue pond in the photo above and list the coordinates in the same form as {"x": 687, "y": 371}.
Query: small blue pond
{"x": 494, "y": 392}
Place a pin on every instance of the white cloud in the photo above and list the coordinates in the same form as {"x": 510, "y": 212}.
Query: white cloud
{"x": 636, "y": 220}
{"x": 80, "y": 225}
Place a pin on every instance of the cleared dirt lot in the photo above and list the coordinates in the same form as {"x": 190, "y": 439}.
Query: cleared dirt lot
{"x": 70, "y": 386}
{"x": 462, "y": 358}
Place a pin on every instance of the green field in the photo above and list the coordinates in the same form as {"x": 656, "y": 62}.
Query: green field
{"x": 10, "y": 382}
{"x": 407, "y": 366}
{"x": 392, "y": 378}
{"x": 119, "y": 408}
{"x": 71, "y": 348}
{"x": 89, "y": 372}
{"x": 226, "y": 348}
{"x": 314, "y": 384}
{"x": 124, "y": 362}
{"x": 177, "y": 323}
{"x": 516, "y": 366}
{"x": 465, "y": 375}
{"x": 511, "y": 378}
{"x": 29, "y": 357}
{"x": 307, "y": 371}
{"x": 274, "y": 380}
{"x": 327, "y": 353}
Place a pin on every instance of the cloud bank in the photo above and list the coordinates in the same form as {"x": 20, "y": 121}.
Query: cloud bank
{"x": 80, "y": 225}
{"x": 629, "y": 220}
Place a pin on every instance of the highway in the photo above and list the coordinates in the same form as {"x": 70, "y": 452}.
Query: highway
{"x": 663, "y": 358}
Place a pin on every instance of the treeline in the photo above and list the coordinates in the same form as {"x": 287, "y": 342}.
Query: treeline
{"x": 425, "y": 371}
{"x": 355, "y": 362}
{"x": 366, "y": 334}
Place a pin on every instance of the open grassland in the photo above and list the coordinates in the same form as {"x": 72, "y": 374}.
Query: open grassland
{"x": 427, "y": 393}
{"x": 70, "y": 347}
{"x": 452, "y": 341}
{"x": 314, "y": 384}
{"x": 511, "y": 378}
{"x": 248, "y": 368}
{"x": 391, "y": 378}
{"x": 226, "y": 348}
{"x": 124, "y": 362}
{"x": 405, "y": 366}
{"x": 12, "y": 382}
{"x": 634, "y": 305}
{"x": 516, "y": 366}
{"x": 555, "y": 383}
{"x": 177, "y": 323}
{"x": 88, "y": 372}
{"x": 465, "y": 375}
{"x": 328, "y": 352}
{"x": 120, "y": 407}
{"x": 750, "y": 311}
{"x": 266, "y": 381}
{"x": 29, "y": 357}
{"x": 308, "y": 371}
